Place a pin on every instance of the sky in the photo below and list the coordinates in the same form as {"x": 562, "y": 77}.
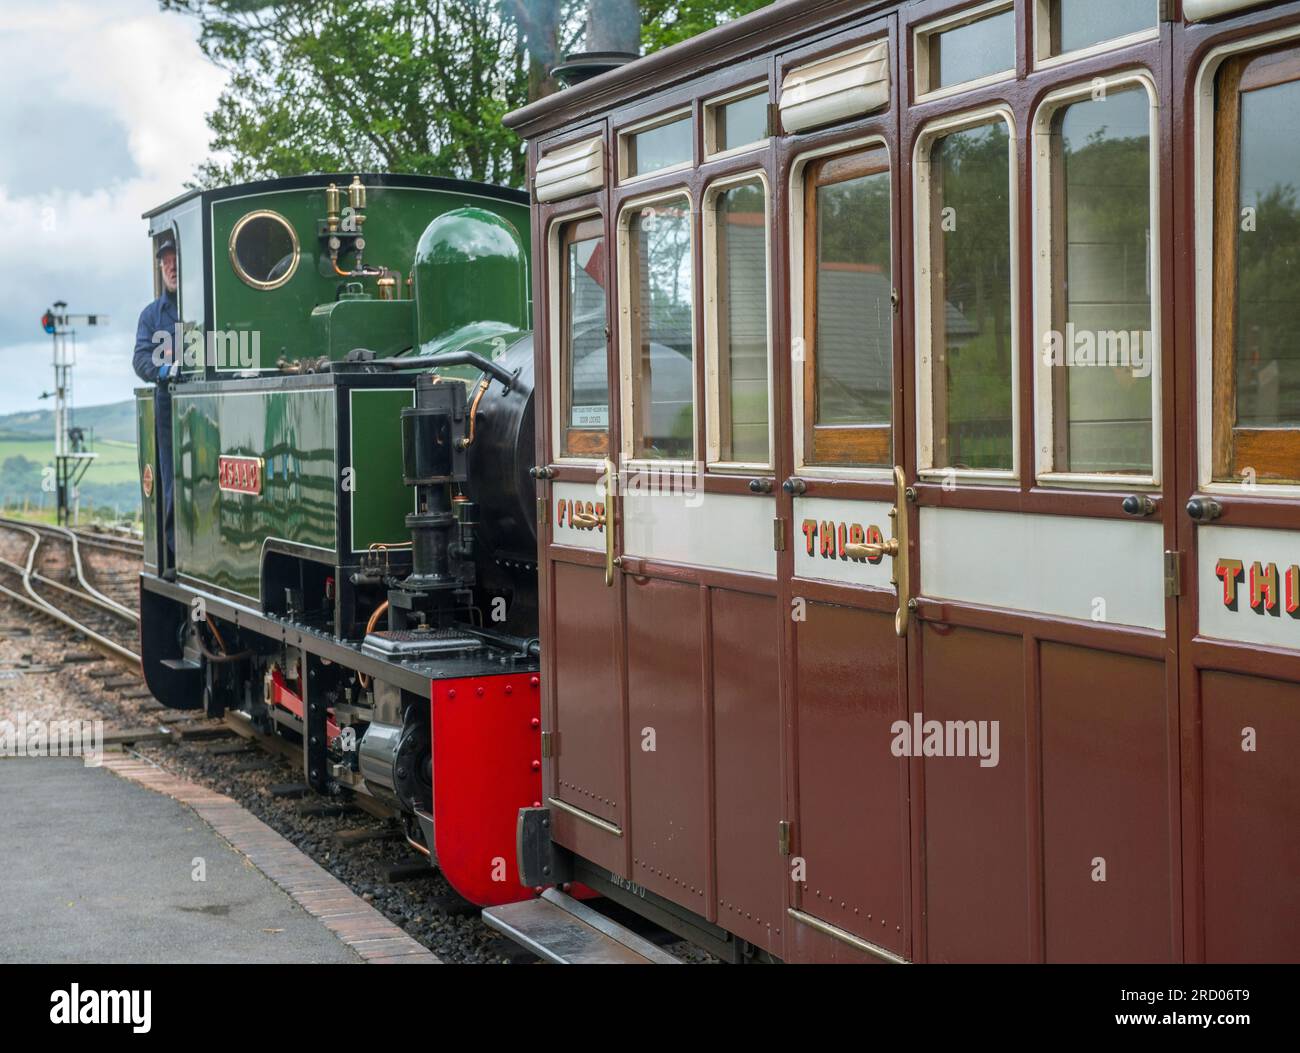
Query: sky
{"x": 102, "y": 118}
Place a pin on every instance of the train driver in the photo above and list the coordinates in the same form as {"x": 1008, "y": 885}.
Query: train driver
{"x": 156, "y": 362}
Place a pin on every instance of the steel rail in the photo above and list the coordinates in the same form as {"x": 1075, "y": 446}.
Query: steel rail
{"x": 36, "y": 602}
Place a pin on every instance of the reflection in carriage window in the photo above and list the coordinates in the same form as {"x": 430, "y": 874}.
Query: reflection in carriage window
{"x": 583, "y": 361}
{"x": 660, "y": 283}
{"x": 740, "y": 295}
{"x": 970, "y": 298}
{"x": 1100, "y": 344}
{"x": 1257, "y": 268}
{"x": 848, "y": 313}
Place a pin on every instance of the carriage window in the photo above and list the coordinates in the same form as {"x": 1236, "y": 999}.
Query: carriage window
{"x": 661, "y": 338}
{"x": 1257, "y": 269}
{"x": 1099, "y": 349}
{"x": 848, "y": 311}
{"x": 584, "y": 391}
{"x": 739, "y": 334}
{"x": 970, "y": 48}
{"x": 664, "y": 146}
{"x": 970, "y": 339}
{"x": 738, "y": 122}
{"x": 1076, "y": 24}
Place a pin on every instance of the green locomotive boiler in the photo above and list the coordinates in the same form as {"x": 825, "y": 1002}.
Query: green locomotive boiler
{"x": 354, "y": 521}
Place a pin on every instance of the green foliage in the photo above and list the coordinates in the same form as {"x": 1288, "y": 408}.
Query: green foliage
{"x": 665, "y": 22}
{"x": 389, "y": 85}
{"x": 394, "y": 85}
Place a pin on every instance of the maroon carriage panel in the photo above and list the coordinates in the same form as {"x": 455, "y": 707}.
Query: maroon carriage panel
{"x": 1105, "y": 764}
{"x": 976, "y": 830}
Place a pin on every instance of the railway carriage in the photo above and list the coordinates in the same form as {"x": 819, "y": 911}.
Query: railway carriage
{"x": 918, "y": 447}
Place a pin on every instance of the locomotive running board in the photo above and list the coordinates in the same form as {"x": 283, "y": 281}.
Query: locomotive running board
{"x": 559, "y": 929}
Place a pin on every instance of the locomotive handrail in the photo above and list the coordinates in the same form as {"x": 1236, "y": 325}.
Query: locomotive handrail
{"x": 448, "y": 358}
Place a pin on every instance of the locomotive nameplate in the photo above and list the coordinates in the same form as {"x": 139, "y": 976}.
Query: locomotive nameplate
{"x": 146, "y": 480}
{"x": 1249, "y": 585}
{"x": 240, "y": 475}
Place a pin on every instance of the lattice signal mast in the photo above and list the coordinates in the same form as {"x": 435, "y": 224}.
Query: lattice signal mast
{"x": 71, "y": 458}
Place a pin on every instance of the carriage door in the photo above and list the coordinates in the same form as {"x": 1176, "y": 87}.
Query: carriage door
{"x": 848, "y": 619}
{"x": 1241, "y": 622}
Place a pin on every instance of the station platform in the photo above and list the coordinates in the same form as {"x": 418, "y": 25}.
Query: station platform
{"x": 101, "y": 864}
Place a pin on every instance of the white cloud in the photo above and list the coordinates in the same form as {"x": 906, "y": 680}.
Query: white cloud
{"x": 142, "y": 68}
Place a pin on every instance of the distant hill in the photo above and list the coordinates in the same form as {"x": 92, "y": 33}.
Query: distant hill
{"x": 116, "y": 420}
{"x": 27, "y": 449}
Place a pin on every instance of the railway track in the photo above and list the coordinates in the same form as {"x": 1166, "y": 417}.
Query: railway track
{"x": 46, "y": 554}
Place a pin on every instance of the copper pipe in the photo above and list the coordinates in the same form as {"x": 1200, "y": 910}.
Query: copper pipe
{"x": 362, "y": 679}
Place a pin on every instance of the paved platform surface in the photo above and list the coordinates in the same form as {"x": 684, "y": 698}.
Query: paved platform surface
{"x": 96, "y": 868}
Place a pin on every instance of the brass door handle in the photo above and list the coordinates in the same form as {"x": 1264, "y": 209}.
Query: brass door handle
{"x": 896, "y": 548}
{"x": 611, "y": 487}
{"x": 582, "y": 519}
{"x": 870, "y": 550}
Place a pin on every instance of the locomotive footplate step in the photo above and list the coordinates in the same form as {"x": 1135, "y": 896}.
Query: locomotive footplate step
{"x": 564, "y": 931}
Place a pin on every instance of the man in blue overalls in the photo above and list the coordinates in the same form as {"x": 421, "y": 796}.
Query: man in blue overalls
{"x": 156, "y": 361}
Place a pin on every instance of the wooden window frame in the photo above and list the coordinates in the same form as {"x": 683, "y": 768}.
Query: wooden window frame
{"x": 713, "y": 109}
{"x": 717, "y": 341}
{"x": 1272, "y": 453}
{"x": 839, "y": 445}
{"x": 1047, "y": 250}
{"x": 583, "y": 443}
{"x": 928, "y": 337}
{"x": 631, "y": 356}
{"x": 925, "y": 47}
{"x": 1047, "y": 36}
{"x": 627, "y": 145}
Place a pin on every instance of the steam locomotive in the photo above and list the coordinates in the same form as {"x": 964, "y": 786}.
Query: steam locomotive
{"x": 355, "y": 545}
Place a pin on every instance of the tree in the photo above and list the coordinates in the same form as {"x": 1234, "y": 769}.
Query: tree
{"x": 403, "y": 85}
{"x": 668, "y": 22}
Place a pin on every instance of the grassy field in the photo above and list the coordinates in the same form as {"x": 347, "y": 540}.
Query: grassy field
{"x": 115, "y": 463}
{"x": 111, "y": 482}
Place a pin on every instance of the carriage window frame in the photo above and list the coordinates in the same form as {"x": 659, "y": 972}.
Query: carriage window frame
{"x": 557, "y": 298}
{"x": 628, "y": 341}
{"x": 923, "y": 217}
{"x": 1045, "y": 25}
{"x": 712, "y": 111}
{"x": 925, "y": 34}
{"x": 803, "y": 372}
{"x": 712, "y": 322}
{"x": 1045, "y": 278}
{"x": 1217, "y": 352}
{"x": 660, "y": 120}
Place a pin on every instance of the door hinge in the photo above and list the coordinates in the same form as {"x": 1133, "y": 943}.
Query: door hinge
{"x": 543, "y": 505}
{"x": 778, "y": 534}
{"x": 783, "y": 837}
{"x": 550, "y": 744}
{"x": 1173, "y": 574}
